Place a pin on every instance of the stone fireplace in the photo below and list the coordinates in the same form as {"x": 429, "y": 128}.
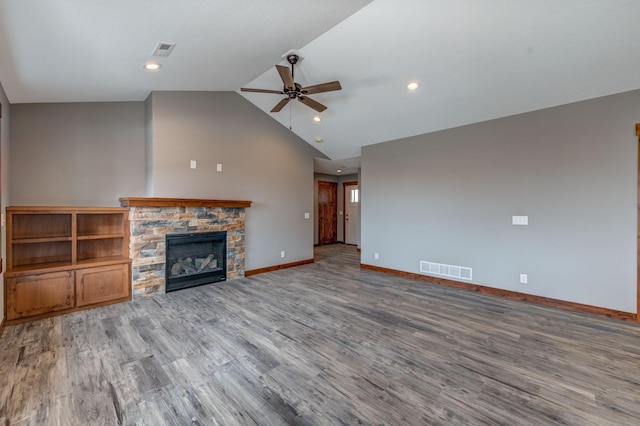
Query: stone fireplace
{"x": 151, "y": 219}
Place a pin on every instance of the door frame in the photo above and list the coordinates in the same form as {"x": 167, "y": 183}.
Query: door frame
{"x": 1, "y": 210}
{"x": 344, "y": 208}
{"x": 638, "y": 232}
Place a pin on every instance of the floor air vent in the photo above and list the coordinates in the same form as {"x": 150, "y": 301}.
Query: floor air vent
{"x": 452, "y": 271}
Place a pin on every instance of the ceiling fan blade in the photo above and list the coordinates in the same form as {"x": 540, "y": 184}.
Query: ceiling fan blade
{"x": 280, "y": 105}
{"x": 285, "y": 75}
{"x": 321, "y": 88}
{"x": 312, "y": 104}
{"x": 246, "y": 89}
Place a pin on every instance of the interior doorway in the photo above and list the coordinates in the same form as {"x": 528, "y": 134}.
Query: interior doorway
{"x": 351, "y": 225}
{"x": 327, "y": 212}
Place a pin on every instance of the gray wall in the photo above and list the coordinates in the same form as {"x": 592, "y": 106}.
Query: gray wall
{"x": 449, "y": 196}
{"x": 95, "y": 153}
{"x": 261, "y": 161}
{"x": 4, "y": 182}
{"x": 85, "y": 154}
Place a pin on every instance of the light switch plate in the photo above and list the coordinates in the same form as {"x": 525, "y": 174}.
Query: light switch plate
{"x": 306, "y": 215}
{"x": 219, "y": 167}
{"x": 193, "y": 164}
{"x": 520, "y": 220}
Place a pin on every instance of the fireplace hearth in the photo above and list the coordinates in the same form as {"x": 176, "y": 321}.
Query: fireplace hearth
{"x": 195, "y": 258}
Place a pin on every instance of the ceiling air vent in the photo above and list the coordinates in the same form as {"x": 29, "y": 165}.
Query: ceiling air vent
{"x": 163, "y": 49}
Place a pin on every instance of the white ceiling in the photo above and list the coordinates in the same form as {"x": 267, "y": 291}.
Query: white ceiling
{"x": 475, "y": 60}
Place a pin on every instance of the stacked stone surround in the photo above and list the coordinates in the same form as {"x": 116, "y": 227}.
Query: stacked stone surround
{"x": 149, "y": 226}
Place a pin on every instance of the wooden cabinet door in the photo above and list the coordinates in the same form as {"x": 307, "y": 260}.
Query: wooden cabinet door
{"x": 38, "y": 294}
{"x": 102, "y": 284}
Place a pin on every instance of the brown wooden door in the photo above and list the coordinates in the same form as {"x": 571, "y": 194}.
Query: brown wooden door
{"x": 327, "y": 212}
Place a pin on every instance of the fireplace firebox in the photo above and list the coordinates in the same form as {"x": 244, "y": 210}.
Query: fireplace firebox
{"x": 195, "y": 258}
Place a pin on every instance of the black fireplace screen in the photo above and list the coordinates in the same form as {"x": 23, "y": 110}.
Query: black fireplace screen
{"x": 195, "y": 259}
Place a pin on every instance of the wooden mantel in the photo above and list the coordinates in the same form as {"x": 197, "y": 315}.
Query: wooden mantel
{"x": 181, "y": 202}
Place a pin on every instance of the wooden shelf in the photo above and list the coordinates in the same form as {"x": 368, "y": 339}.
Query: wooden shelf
{"x": 28, "y": 225}
{"x": 42, "y": 267}
{"x": 107, "y": 260}
{"x": 92, "y": 224}
{"x": 98, "y": 237}
{"x": 38, "y": 235}
{"x": 99, "y": 248}
{"x": 181, "y": 202}
{"x": 53, "y": 252}
{"x": 36, "y": 253}
{"x": 64, "y": 266}
{"x": 40, "y": 240}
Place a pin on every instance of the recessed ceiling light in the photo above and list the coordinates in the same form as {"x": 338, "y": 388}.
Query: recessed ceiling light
{"x": 413, "y": 86}
{"x": 152, "y": 66}
{"x": 317, "y": 119}
{"x": 319, "y": 139}
{"x": 339, "y": 171}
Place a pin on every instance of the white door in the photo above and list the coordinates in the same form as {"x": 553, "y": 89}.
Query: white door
{"x": 351, "y": 217}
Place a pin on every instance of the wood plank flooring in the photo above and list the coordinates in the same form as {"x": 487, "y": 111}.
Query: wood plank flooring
{"x": 324, "y": 343}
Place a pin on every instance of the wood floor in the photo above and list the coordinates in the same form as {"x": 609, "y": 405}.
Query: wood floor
{"x": 325, "y": 343}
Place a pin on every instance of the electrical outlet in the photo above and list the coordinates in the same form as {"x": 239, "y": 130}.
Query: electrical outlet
{"x": 306, "y": 215}
{"x": 282, "y": 253}
{"x": 376, "y": 255}
{"x": 524, "y": 279}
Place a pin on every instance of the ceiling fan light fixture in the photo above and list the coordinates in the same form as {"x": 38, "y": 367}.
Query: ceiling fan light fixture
{"x": 152, "y": 66}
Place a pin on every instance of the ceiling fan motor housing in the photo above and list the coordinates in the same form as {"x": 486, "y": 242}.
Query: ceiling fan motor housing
{"x": 293, "y": 93}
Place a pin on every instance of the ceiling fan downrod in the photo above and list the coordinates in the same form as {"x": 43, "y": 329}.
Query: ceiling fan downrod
{"x": 292, "y": 59}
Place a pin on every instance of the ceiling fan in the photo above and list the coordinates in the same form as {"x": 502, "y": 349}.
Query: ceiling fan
{"x": 294, "y": 90}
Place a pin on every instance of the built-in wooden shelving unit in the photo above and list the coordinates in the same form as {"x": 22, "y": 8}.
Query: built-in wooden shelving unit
{"x": 61, "y": 259}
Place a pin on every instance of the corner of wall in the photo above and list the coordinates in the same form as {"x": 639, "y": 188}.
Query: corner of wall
{"x": 148, "y": 145}
{"x": 4, "y": 191}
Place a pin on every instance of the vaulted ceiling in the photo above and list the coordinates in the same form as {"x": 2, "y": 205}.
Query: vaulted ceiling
{"x": 474, "y": 60}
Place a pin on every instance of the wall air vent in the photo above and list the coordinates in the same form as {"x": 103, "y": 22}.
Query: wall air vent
{"x": 163, "y": 49}
{"x": 441, "y": 269}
